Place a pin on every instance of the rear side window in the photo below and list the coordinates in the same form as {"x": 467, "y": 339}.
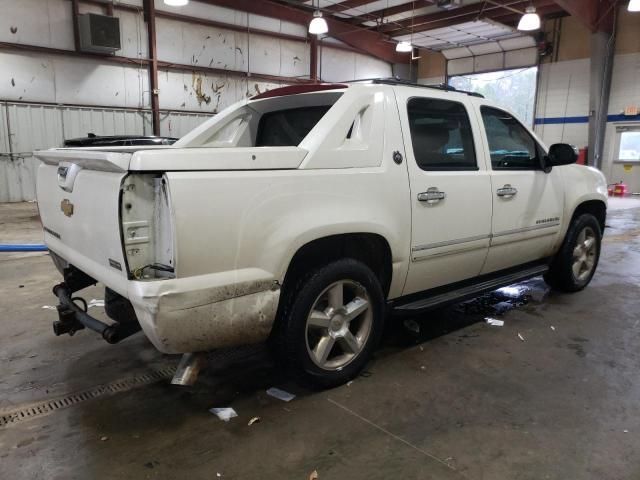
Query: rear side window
{"x": 441, "y": 135}
{"x": 512, "y": 147}
{"x": 287, "y": 128}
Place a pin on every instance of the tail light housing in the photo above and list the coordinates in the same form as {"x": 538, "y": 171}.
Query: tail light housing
{"x": 147, "y": 227}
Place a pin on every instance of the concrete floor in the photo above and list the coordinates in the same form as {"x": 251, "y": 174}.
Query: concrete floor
{"x": 459, "y": 400}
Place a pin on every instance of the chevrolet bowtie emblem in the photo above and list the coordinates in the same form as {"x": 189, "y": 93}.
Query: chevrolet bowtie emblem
{"x": 67, "y": 207}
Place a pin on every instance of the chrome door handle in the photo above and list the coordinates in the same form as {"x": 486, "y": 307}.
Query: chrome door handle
{"x": 507, "y": 191}
{"x": 431, "y": 196}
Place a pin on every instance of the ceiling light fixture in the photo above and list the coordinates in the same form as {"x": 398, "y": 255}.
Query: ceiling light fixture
{"x": 530, "y": 20}
{"x": 318, "y": 25}
{"x": 404, "y": 47}
{"x": 176, "y": 3}
{"x": 634, "y": 6}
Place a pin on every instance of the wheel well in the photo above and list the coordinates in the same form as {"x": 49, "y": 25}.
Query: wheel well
{"x": 597, "y": 208}
{"x": 371, "y": 249}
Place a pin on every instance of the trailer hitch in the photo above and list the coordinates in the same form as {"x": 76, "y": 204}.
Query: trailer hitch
{"x": 72, "y": 318}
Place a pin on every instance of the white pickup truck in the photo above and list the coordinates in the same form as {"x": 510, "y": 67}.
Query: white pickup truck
{"x": 308, "y": 214}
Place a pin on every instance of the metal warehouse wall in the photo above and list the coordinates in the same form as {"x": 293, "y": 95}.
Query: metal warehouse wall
{"x": 562, "y": 110}
{"x": 26, "y": 127}
{"x": 48, "y": 97}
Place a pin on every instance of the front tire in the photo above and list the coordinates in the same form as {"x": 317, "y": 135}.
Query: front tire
{"x": 574, "y": 265}
{"x": 331, "y": 324}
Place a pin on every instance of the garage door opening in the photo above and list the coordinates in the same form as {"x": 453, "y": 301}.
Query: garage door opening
{"x": 511, "y": 89}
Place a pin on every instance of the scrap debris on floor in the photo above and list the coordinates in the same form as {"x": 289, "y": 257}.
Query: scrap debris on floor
{"x": 280, "y": 394}
{"x": 224, "y": 413}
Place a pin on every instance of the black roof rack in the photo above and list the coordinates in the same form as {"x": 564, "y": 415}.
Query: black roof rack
{"x": 407, "y": 83}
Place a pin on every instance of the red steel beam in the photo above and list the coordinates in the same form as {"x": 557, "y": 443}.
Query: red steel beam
{"x": 584, "y": 10}
{"x": 544, "y": 12}
{"x": 75, "y": 11}
{"x": 214, "y": 23}
{"x": 135, "y": 61}
{"x": 313, "y": 58}
{"x": 150, "y": 16}
{"x": 236, "y": 28}
{"x": 106, "y": 107}
{"x": 72, "y": 53}
{"x": 459, "y": 15}
{"x": 596, "y": 15}
{"x": 346, "y": 5}
{"x": 365, "y": 40}
{"x": 387, "y": 12}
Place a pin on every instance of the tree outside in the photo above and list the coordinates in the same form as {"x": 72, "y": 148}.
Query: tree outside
{"x": 514, "y": 90}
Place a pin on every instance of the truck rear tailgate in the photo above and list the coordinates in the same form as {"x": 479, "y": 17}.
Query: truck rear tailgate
{"x": 78, "y": 195}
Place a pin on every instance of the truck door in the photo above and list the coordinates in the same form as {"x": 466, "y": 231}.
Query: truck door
{"x": 450, "y": 190}
{"x": 527, "y": 202}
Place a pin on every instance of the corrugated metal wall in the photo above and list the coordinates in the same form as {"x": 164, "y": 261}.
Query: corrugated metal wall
{"x": 28, "y": 127}
{"x": 37, "y": 88}
{"x": 176, "y": 124}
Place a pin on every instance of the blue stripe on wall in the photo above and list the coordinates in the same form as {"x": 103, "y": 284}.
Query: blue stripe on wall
{"x": 623, "y": 118}
{"x": 563, "y": 120}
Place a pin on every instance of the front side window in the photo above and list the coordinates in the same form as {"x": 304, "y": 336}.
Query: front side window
{"x": 510, "y": 144}
{"x": 441, "y": 135}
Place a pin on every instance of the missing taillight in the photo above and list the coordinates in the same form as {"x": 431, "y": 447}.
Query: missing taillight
{"x": 147, "y": 227}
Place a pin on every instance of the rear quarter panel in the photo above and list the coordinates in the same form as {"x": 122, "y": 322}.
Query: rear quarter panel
{"x": 231, "y": 220}
{"x": 234, "y": 220}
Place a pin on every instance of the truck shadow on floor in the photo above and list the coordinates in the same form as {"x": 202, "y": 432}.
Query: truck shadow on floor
{"x": 239, "y": 371}
{"x": 408, "y": 331}
{"x": 239, "y": 377}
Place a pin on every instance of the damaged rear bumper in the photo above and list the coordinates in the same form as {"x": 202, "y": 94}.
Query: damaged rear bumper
{"x": 206, "y": 312}
{"x": 180, "y": 315}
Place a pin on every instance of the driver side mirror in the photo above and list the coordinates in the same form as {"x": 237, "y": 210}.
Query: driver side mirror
{"x": 560, "y": 154}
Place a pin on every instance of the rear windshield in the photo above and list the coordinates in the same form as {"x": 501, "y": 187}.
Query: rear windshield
{"x": 288, "y": 127}
{"x": 271, "y": 122}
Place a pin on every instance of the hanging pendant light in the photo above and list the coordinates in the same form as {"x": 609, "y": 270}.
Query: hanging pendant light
{"x": 634, "y": 6}
{"x": 530, "y": 20}
{"x": 404, "y": 47}
{"x": 318, "y": 25}
{"x": 176, "y": 3}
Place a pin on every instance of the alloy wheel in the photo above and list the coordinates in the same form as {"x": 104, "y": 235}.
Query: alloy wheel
{"x": 339, "y": 325}
{"x": 584, "y": 254}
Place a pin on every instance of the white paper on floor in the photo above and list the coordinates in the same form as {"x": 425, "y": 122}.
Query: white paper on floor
{"x": 494, "y": 322}
{"x": 224, "y": 413}
{"x": 280, "y": 394}
{"x": 95, "y": 303}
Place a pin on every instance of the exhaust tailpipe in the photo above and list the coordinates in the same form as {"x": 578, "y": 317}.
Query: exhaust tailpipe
{"x": 189, "y": 368}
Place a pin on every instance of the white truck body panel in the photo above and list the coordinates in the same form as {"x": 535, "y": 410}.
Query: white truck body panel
{"x": 239, "y": 213}
{"x": 90, "y": 237}
{"x": 211, "y": 158}
{"x": 457, "y": 249}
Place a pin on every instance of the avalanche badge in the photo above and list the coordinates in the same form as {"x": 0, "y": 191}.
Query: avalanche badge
{"x": 67, "y": 207}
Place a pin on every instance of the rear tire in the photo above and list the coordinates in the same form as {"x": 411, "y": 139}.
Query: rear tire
{"x": 331, "y": 324}
{"x": 574, "y": 265}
